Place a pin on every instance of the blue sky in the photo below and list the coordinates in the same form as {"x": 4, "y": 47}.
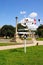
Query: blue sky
{"x": 9, "y": 9}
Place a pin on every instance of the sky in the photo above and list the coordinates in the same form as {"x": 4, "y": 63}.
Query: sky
{"x": 9, "y": 9}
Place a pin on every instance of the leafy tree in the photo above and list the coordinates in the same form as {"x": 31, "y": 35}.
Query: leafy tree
{"x": 19, "y": 26}
{"x": 40, "y": 31}
{"x": 8, "y": 30}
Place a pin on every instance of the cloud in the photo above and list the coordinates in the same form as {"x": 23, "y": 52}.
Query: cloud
{"x": 29, "y": 23}
{"x": 29, "y": 20}
{"x": 32, "y": 26}
{"x": 23, "y": 12}
{"x": 33, "y": 14}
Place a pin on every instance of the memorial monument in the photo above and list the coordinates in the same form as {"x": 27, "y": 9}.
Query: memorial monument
{"x": 18, "y": 40}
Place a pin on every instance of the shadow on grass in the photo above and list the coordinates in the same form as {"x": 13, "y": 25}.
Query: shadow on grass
{"x": 16, "y": 50}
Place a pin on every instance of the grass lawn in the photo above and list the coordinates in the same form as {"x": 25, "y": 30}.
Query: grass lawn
{"x": 27, "y": 38}
{"x": 39, "y": 39}
{"x": 7, "y": 44}
{"x": 34, "y": 56}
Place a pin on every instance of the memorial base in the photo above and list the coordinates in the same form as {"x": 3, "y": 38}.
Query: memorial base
{"x": 18, "y": 40}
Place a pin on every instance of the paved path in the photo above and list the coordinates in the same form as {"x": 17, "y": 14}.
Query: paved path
{"x": 21, "y": 45}
{"x": 14, "y": 46}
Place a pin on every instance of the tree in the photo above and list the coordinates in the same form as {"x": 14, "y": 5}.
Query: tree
{"x": 19, "y": 26}
{"x": 40, "y": 31}
{"x": 8, "y": 30}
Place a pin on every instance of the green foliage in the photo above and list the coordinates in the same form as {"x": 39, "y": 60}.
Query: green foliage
{"x": 39, "y": 39}
{"x": 19, "y": 26}
{"x": 21, "y": 29}
{"x": 40, "y": 31}
{"x": 33, "y": 56}
{"x": 7, "y": 30}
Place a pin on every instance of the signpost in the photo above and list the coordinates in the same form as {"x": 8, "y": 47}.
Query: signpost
{"x": 25, "y": 43}
{"x": 24, "y": 33}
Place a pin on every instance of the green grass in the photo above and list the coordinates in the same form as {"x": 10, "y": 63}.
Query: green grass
{"x": 29, "y": 38}
{"x": 34, "y": 56}
{"x": 39, "y": 39}
{"x": 7, "y": 44}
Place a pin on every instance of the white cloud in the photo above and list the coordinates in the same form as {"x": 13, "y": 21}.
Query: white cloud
{"x": 29, "y": 20}
{"x": 33, "y": 14}
{"x": 32, "y": 26}
{"x": 29, "y": 23}
{"x": 23, "y": 12}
